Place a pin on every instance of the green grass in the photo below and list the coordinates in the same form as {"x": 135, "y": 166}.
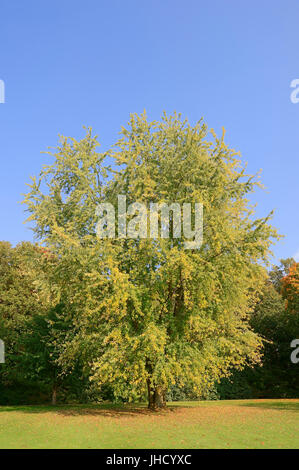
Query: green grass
{"x": 257, "y": 424}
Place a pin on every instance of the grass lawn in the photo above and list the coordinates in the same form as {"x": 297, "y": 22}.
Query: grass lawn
{"x": 242, "y": 424}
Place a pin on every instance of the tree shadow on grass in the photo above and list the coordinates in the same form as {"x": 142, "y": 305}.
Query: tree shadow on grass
{"x": 102, "y": 410}
{"x": 112, "y": 410}
{"x": 274, "y": 405}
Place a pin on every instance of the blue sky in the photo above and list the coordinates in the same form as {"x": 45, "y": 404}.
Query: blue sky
{"x": 66, "y": 64}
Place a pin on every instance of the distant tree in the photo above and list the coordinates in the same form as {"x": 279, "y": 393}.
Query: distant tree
{"x": 20, "y": 299}
{"x": 276, "y": 319}
{"x": 148, "y": 313}
{"x": 270, "y": 305}
{"x": 278, "y": 272}
{"x": 18, "y": 294}
{"x": 41, "y": 348}
{"x": 26, "y": 301}
{"x": 21, "y": 276}
{"x": 290, "y": 289}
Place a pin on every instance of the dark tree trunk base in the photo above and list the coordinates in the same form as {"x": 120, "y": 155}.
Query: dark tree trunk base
{"x": 156, "y": 398}
{"x": 54, "y": 396}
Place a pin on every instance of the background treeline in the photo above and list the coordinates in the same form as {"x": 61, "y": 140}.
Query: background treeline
{"x": 34, "y": 327}
{"x": 276, "y": 319}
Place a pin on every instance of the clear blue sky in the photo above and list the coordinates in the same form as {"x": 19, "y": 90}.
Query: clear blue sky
{"x": 66, "y": 64}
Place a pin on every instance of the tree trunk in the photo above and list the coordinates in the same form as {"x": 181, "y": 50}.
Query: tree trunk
{"x": 150, "y": 395}
{"x": 156, "y": 397}
{"x": 54, "y": 394}
{"x": 159, "y": 397}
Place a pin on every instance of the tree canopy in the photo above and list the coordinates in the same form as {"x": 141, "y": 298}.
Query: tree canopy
{"x": 148, "y": 313}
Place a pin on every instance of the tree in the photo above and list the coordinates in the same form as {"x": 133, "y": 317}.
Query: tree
{"x": 23, "y": 294}
{"x": 276, "y": 319}
{"x": 147, "y": 312}
{"x": 33, "y": 325}
{"x": 41, "y": 346}
{"x": 290, "y": 289}
{"x": 277, "y": 273}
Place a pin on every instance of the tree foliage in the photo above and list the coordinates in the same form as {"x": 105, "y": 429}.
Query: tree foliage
{"x": 276, "y": 319}
{"x": 147, "y": 313}
{"x": 290, "y": 289}
{"x": 32, "y": 326}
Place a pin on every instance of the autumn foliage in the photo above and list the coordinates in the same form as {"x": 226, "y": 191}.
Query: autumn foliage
{"x": 290, "y": 289}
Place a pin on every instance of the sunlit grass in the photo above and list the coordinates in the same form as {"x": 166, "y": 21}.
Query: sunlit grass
{"x": 221, "y": 424}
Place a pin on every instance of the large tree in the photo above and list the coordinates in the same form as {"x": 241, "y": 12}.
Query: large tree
{"x": 148, "y": 313}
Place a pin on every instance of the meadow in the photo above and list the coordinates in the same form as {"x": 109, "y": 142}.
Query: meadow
{"x": 234, "y": 424}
